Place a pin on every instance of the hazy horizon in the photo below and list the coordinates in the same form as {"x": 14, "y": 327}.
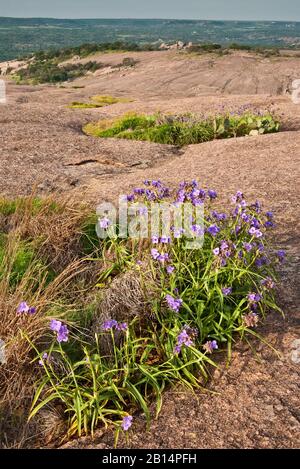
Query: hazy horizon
{"x": 152, "y": 18}
{"x": 214, "y": 10}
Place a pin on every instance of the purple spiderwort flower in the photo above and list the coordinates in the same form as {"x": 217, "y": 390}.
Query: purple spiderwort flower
{"x": 165, "y": 239}
{"x": 281, "y": 255}
{"x": 213, "y": 230}
{"x": 139, "y": 191}
{"x": 55, "y": 325}
{"x": 61, "y": 330}
{"x": 170, "y": 269}
{"x": 257, "y": 206}
{"x": 197, "y": 229}
{"x": 216, "y": 251}
{"x": 261, "y": 261}
{"x": 238, "y": 197}
{"x": 226, "y": 291}
{"x": 122, "y": 326}
{"x": 127, "y": 422}
{"x": 154, "y": 253}
{"x": 45, "y": 357}
{"x": 210, "y": 346}
{"x": 113, "y": 324}
{"x": 255, "y": 223}
{"x": 261, "y": 247}
{"x": 174, "y": 303}
{"x": 163, "y": 257}
{"x": 212, "y": 194}
{"x": 63, "y": 334}
{"x": 247, "y": 247}
{"x": 178, "y": 232}
{"x": 237, "y": 229}
{"x": 269, "y": 224}
{"x": 24, "y": 308}
{"x": 185, "y": 337}
{"x": 246, "y": 218}
{"x": 253, "y": 297}
{"x": 109, "y": 324}
{"x": 154, "y": 239}
{"x": 224, "y": 245}
{"x": 255, "y": 232}
{"x": 104, "y": 223}
{"x": 219, "y": 216}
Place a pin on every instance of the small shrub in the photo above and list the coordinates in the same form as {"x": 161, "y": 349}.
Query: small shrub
{"x": 50, "y": 72}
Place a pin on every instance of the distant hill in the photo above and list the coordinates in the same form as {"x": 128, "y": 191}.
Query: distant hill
{"x": 19, "y": 36}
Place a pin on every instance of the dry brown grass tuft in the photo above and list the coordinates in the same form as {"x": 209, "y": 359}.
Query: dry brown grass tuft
{"x": 55, "y": 231}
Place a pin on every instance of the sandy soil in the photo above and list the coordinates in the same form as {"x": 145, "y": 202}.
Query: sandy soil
{"x": 256, "y": 403}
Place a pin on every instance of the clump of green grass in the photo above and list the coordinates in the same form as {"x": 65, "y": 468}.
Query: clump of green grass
{"x": 183, "y": 129}
{"x": 99, "y": 101}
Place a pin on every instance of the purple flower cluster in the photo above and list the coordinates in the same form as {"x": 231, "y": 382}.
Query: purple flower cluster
{"x": 213, "y": 230}
{"x": 224, "y": 251}
{"x": 174, "y": 303}
{"x": 218, "y": 216}
{"x": 113, "y": 324}
{"x": 227, "y": 291}
{"x": 190, "y": 192}
{"x": 255, "y": 232}
{"x": 210, "y": 346}
{"x": 45, "y": 359}
{"x": 253, "y": 300}
{"x": 198, "y": 230}
{"x": 163, "y": 239}
{"x": 24, "y": 308}
{"x": 253, "y": 297}
{"x": 127, "y": 422}
{"x": 185, "y": 337}
{"x": 62, "y": 332}
{"x": 104, "y": 223}
{"x": 158, "y": 256}
{"x": 281, "y": 255}
{"x": 170, "y": 269}
{"x": 177, "y": 232}
{"x": 154, "y": 191}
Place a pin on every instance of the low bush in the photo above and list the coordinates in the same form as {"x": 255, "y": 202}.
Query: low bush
{"x": 51, "y": 72}
{"x": 84, "y": 50}
{"x": 183, "y": 129}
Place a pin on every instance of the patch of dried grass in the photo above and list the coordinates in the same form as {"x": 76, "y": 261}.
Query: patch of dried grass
{"x": 57, "y": 233}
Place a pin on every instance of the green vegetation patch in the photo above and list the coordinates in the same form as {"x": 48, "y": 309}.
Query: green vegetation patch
{"x": 183, "y": 129}
{"x": 165, "y": 316}
{"x": 99, "y": 101}
{"x": 49, "y": 71}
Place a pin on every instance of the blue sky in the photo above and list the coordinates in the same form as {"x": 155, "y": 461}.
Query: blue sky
{"x": 197, "y": 9}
